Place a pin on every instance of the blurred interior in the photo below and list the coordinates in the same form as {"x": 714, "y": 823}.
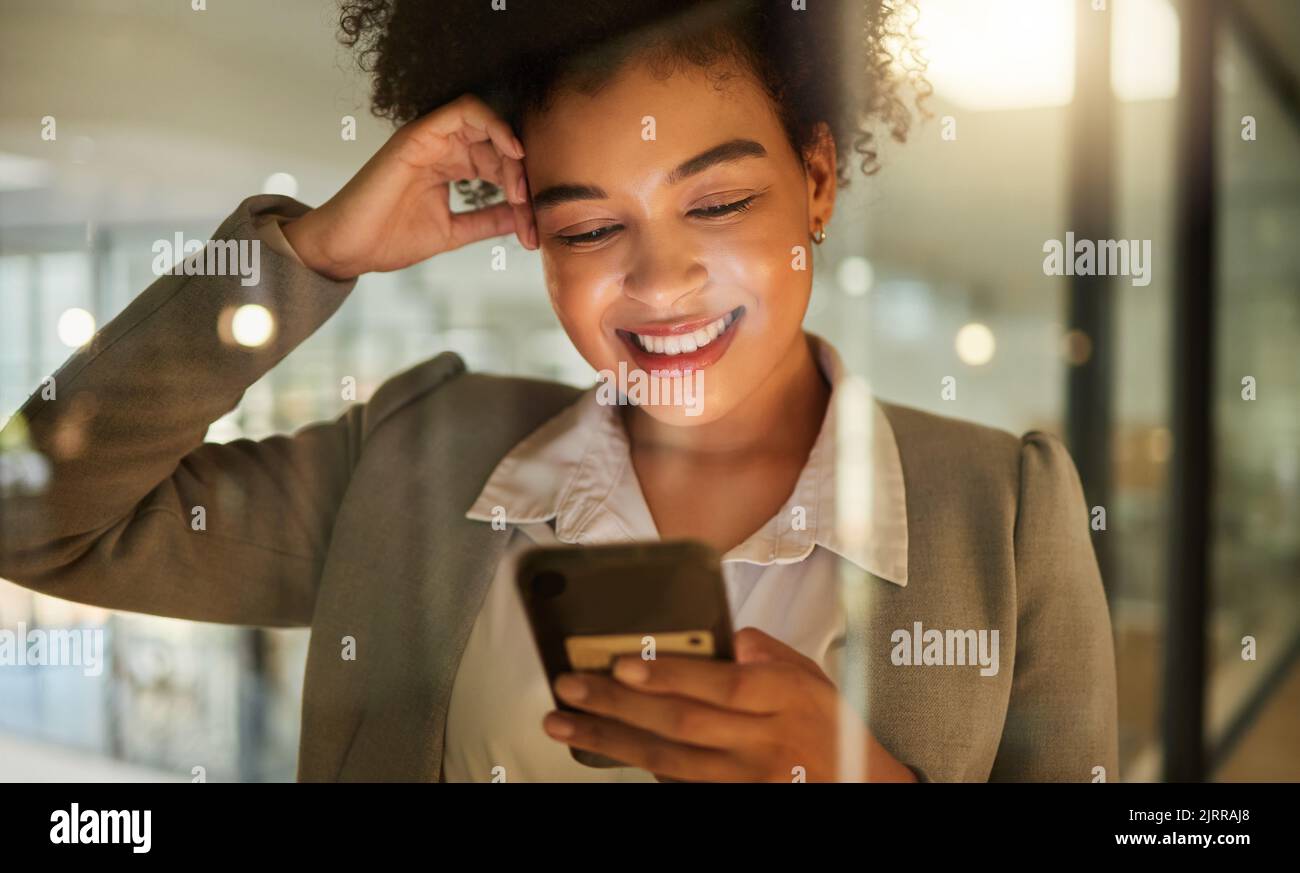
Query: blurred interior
{"x": 932, "y": 268}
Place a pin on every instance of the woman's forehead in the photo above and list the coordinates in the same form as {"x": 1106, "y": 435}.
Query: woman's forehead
{"x": 640, "y": 118}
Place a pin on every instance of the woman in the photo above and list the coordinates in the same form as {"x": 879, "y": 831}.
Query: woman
{"x": 946, "y": 622}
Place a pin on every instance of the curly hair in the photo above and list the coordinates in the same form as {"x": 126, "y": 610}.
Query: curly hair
{"x": 421, "y": 56}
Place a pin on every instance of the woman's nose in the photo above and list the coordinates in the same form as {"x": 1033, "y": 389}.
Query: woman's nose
{"x": 664, "y": 269}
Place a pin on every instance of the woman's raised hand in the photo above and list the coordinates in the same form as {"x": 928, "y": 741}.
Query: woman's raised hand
{"x": 396, "y": 210}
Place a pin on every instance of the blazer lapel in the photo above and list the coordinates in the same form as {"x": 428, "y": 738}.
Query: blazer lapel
{"x": 432, "y": 566}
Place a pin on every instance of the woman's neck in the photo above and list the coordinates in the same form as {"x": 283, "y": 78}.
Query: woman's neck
{"x": 782, "y": 417}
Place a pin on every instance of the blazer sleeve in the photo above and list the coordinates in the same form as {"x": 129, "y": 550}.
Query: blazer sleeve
{"x": 135, "y": 512}
{"x": 1061, "y": 722}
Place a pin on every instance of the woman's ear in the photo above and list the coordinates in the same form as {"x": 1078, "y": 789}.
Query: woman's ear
{"x": 820, "y": 171}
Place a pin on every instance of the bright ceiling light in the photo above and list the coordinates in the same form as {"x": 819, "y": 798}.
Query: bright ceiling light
{"x": 252, "y": 325}
{"x": 1019, "y": 54}
{"x": 75, "y": 328}
{"x": 975, "y": 345}
{"x": 999, "y": 54}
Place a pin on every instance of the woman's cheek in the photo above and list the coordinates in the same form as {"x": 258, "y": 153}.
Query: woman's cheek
{"x": 580, "y": 301}
{"x": 768, "y": 276}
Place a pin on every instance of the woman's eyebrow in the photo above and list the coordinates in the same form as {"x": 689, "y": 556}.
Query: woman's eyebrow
{"x": 557, "y": 194}
{"x": 732, "y": 150}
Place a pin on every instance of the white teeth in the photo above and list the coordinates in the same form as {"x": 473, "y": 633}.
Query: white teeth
{"x": 687, "y": 342}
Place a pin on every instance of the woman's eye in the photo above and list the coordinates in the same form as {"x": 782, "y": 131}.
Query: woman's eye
{"x": 594, "y": 236}
{"x": 590, "y": 236}
{"x": 724, "y": 208}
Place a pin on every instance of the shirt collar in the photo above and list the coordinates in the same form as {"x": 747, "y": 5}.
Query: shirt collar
{"x": 576, "y": 470}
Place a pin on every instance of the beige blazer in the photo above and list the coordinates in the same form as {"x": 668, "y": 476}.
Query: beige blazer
{"x": 356, "y": 528}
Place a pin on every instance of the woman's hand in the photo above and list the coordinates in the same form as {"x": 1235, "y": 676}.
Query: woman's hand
{"x": 758, "y": 719}
{"x": 396, "y": 210}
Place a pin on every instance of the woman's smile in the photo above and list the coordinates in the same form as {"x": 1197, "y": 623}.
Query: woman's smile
{"x": 685, "y": 345}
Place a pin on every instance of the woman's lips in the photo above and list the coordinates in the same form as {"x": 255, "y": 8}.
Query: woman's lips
{"x": 697, "y": 344}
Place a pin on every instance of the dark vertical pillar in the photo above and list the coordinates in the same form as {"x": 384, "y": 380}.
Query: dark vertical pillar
{"x": 1088, "y": 388}
{"x": 1192, "y": 462}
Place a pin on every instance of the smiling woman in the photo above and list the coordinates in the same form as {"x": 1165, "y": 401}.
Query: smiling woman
{"x": 673, "y": 164}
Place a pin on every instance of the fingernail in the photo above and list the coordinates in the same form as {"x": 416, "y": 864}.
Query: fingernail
{"x": 558, "y": 725}
{"x": 631, "y": 670}
{"x": 521, "y": 190}
{"x": 519, "y": 147}
{"x": 571, "y": 687}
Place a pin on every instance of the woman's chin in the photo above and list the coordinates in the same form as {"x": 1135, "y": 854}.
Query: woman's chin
{"x": 683, "y": 416}
{"x": 704, "y": 401}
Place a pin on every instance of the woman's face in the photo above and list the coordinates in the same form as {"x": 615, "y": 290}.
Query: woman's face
{"x": 674, "y": 218}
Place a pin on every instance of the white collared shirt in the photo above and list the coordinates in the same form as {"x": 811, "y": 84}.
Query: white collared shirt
{"x": 572, "y": 481}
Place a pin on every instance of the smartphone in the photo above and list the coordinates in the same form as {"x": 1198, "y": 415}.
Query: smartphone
{"x": 588, "y": 605}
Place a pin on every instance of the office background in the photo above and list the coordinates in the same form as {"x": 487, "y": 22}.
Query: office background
{"x": 1047, "y": 116}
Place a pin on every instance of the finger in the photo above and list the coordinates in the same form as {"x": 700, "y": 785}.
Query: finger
{"x": 753, "y": 646}
{"x": 477, "y": 224}
{"x": 524, "y": 227}
{"x": 752, "y": 688}
{"x": 675, "y": 718}
{"x": 508, "y": 175}
{"x": 501, "y": 170}
{"x": 455, "y": 166}
{"x": 638, "y": 748}
{"x": 487, "y": 165}
{"x": 526, "y": 214}
{"x": 472, "y": 119}
{"x": 446, "y": 134}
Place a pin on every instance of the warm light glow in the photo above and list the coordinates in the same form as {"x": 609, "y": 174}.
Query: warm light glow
{"x": 1159, "y": 444}
{"x": 1019, "y": 54}
{"x": 975, "y": 345}
{"x": 1076, "y": 348}
{"x": 76, "y": 327}
{"x": 252, "y": 325}
{"x": 1144, "y": 50}
{"x": 999, "y": 54}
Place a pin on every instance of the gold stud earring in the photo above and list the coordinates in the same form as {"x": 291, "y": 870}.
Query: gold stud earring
{"x": 819, "y": 235}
